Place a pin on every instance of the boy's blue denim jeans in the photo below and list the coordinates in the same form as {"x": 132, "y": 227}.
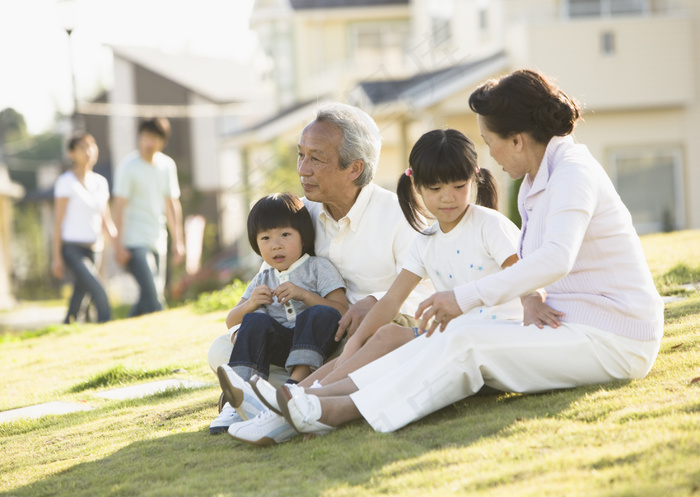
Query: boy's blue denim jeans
{"x": 262, "y": 341}
{"x": 144, "y": 266}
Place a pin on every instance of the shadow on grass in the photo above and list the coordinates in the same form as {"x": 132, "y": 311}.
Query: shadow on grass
{"x": 197, "y": 464}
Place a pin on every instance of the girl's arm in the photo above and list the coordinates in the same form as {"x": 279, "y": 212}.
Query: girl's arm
{"x": 510, "y": 261}
{"x": 382, "y": 313}
{"x": 289, "y": 291}
{"x": 59, "y": 213}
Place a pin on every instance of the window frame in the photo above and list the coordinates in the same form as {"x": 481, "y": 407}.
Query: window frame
{"x": 673, "y": 151}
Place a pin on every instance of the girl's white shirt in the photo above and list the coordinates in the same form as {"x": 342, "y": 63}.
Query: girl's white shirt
{"x": 476, "y": 247}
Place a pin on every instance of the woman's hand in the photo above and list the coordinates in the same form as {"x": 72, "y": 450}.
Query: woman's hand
{"x": 441, "y": 307}
{"x": 123, "y": 254}
{"x": 536, "y": 312}
{"x": 57, "y": 268}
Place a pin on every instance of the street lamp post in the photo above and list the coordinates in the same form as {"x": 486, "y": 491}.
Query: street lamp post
{"x": 67, "y": 16}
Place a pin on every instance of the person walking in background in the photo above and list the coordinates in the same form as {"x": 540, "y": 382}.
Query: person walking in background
{"x": 81, "y": 213}
{"x": 146, "y": 195}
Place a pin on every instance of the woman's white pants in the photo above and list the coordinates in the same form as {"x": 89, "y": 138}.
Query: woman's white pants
{"x": 428, "y": 374}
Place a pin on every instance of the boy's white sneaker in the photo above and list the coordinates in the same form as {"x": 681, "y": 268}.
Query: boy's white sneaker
{"x": 226, "y": 418}
{"x": 238, "y": 393}
{"x": 267, "y": 428}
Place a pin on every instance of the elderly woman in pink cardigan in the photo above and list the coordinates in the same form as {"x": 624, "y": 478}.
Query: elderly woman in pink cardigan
{"x": 577, "y": 242}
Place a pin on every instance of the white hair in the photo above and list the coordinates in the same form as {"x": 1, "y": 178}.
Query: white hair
{"x": 361, "y": 138}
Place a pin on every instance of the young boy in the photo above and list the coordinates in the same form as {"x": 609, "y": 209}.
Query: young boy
{"x": 290, "y": 311}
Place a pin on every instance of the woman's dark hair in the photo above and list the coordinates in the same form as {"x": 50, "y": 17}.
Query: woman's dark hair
{"x": 76, "y": 138}
{"x": 442, "y": 156}
{"x": 281, "y": 210}
{"x": 159, "y": 126}
{"x": 525, "y": 101}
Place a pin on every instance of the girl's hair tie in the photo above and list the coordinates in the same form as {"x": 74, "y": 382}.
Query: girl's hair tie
{"x": 478, "y": 170}
{"x": 408, "y": 172}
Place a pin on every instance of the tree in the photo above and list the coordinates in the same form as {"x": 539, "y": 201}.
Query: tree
{"x": 12, "y": 126}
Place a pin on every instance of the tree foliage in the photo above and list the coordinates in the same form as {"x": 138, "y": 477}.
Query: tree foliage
{"x": 12, "y": 126}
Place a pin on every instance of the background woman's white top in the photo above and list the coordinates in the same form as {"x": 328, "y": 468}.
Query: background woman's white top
{"x": 82, "y": 222}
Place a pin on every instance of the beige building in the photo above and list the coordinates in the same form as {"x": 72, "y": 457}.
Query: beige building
{"x": 634, "y": 64}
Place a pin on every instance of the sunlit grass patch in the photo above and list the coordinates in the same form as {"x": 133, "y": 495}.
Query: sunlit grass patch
{"x": 120, "y": 375}
{"x": 671, "y": 282}
{"x": 220, "y": 300}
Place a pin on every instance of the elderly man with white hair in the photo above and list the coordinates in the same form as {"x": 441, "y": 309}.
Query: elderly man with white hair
{"x": 359, "y": 227}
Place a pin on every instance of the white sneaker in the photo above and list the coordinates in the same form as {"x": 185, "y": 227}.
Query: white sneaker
{"x": 303, "y": 412}
{"x": 226, "y": 418}
{"x": 266, "y": 393}
{"x": 267, "y": 428}
{"x": 238, "y": 393}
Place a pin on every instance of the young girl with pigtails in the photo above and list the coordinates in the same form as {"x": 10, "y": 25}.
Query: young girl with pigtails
{"x": 467, "y": 241}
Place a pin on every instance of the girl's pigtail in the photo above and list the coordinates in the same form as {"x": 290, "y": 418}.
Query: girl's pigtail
{"x": 487, "y": 189}
{"x": 408, "y": 201}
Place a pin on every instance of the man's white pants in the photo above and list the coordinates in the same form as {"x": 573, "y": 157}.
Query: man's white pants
{"x": 428, "y": 374}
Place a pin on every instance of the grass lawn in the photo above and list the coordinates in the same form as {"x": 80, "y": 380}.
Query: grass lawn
{"x": 638, "y": 438}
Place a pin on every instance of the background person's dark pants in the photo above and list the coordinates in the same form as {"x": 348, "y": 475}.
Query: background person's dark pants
{"x": 80, "y": 259}
{"x": 262, "y": 341}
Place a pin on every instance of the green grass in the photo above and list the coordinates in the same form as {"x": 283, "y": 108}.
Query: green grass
{"x": 220, "y": 300}
{"x": 636, "y": 438}
{"x": 120, "y": 375}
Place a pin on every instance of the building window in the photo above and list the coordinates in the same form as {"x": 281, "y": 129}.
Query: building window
{"x": 441, "y": 13}
{"x": 377, "y": 41}
{"x": 605, "y": 8}
{"x": 483, "y": 20}
{"x": 650, "y": 184}
{"x": 441, "y": 31}
{"x": 607, "y": 43}
{"x": 483, "y": 14}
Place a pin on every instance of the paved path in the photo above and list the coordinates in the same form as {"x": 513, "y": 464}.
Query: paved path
{"x": 29, "y": 316}
{"x": 132, "y": 392}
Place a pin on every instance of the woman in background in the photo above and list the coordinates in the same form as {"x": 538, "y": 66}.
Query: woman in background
{"x": 81, "y": 213}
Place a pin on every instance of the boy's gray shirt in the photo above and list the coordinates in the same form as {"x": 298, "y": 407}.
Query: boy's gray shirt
{"x": 315, "y": 274}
